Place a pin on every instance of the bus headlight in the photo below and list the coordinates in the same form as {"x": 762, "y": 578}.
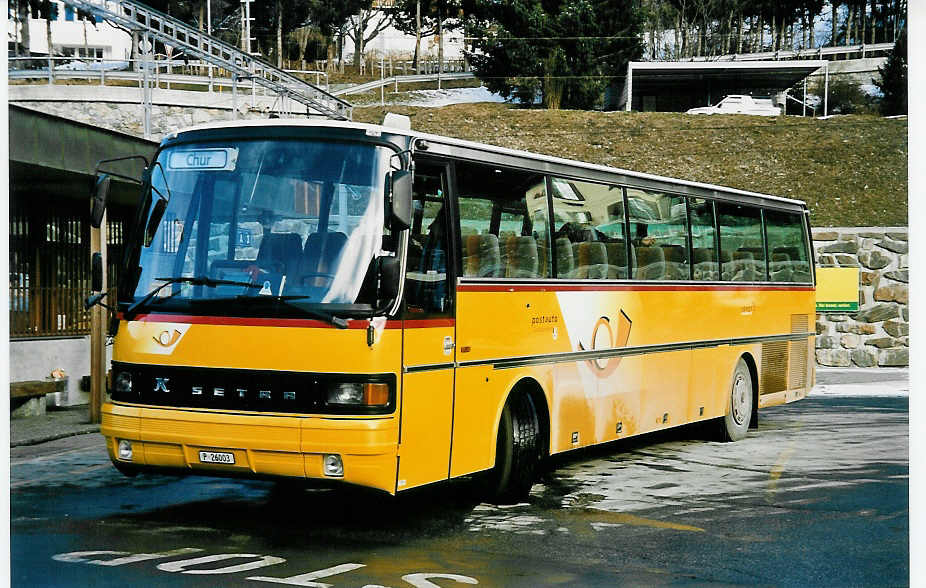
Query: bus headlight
{"x": 358, "y": 394}
{"x": 123, "y": 383}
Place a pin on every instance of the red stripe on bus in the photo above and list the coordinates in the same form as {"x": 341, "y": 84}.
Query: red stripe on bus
{"x": 281, "y": 322}
{"x": 622, "y": 288}
{"x": 427, "y": 323}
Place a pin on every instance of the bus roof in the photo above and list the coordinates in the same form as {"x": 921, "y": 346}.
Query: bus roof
{"x": 451, "y": 141}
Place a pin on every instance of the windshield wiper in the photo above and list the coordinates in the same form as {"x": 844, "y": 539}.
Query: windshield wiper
{"x": 329, "y": 318}
{"x": 195, "y": 280}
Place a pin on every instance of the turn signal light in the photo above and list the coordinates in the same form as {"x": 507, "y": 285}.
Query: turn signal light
{"x": 376, "y": 394}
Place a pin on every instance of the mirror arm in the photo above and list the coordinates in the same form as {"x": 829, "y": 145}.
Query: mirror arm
{"x": 95, "y": 299}
{"x": 96, "y": 170}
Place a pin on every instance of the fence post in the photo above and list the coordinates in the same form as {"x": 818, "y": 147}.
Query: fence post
{"x": 51, "y": 69}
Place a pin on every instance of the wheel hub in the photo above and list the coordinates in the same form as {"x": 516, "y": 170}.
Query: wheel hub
{"x": 740, "y": 399}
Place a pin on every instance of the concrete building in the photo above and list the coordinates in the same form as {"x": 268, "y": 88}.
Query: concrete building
{"x": 72, "y": 37}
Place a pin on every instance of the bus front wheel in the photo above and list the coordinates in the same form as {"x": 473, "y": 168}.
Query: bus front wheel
{"x": 517, "y": 451}
{"x": 739, "y": 407}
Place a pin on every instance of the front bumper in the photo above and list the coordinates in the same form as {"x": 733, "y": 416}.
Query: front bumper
{"x": 264, "y": 445}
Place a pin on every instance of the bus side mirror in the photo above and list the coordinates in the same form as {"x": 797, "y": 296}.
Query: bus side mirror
{"x": 157, "y": 213}
{"x": 96, "y": 272}
{"x": 98, "y": 196}
{"x": 401, "y": 216}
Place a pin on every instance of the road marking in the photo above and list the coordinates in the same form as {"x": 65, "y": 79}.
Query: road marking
{"x": 308, "y": 579}
{"x": 776, "y": 472}
{"x": 183, "y": 564}
{"x": 424, "y": 580}
{"x": 620, "y": 518}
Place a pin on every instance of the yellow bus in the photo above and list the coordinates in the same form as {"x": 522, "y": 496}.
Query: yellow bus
{"x": 359, "y": 304}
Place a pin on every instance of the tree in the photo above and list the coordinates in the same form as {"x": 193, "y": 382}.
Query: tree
{"x": 893, "y": 82}
{"x": 424, "y": 18}
{"x": 364, "y": 26}
{"x": 565, "y": 50}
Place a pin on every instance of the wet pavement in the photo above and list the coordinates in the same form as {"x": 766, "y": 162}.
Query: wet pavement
{"x": 818, "y": 495}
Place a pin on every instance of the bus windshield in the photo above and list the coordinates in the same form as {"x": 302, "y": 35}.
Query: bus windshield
{"x": 265, "y": 219}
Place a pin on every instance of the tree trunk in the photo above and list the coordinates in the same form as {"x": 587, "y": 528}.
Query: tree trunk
{"x": 51, "y": 51}
{"x": 834, "y": 22}
{"x": 440, "y": 40}
{"x": 358, "y": 40}
{"x": 22, "y": 9}
{"x": 415, "y": 63}
{"x": 279, "y": 49}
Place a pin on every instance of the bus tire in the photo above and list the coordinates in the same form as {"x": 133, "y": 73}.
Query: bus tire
{"x": 517, "y": 451}
{"x": 735, "y": 423}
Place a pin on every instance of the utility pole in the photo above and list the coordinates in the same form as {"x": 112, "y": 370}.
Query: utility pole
{"x": 246, "y": 26}
{"x": 209, "y": 32}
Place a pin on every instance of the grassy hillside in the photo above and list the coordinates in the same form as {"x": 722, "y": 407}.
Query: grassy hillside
{"x": 851, "y": 170}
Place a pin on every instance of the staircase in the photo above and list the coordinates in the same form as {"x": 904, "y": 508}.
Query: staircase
{"x": 138, "y": 17}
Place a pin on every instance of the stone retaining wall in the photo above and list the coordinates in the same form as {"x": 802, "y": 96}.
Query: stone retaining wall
{"x": 877, "y": 335}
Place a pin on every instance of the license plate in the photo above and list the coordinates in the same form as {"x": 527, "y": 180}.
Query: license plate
{"x": 216, "y": 457}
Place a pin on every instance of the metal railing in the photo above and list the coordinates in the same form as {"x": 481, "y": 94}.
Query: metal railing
{"x": 197, "y": 44}
{"x": 816, "y": 53}
{"x": 396, "y": 80}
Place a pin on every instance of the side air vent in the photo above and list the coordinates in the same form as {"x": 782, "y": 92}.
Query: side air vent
{"x": 797, "y": 372}
{"x": 774, "y": 367}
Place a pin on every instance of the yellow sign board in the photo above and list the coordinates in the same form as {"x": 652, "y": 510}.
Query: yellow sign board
{"x": 837, "y": 289}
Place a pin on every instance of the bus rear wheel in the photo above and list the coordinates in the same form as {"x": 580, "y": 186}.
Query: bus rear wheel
{"x": 517, "y": 451}
{"x": 735, "y": 424}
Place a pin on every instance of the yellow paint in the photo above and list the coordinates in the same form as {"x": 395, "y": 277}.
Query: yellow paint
{"x": 778, "y": 469}
{"x": 837, "y": 285}
{"x": 619, "y": 518}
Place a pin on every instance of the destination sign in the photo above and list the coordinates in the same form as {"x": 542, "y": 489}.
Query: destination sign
{"x": 223, "y": 159}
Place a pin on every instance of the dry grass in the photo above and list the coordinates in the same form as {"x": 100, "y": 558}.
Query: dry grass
{"x": 851, "y": 170}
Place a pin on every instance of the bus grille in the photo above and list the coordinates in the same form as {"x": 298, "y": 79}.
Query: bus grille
{"x": 774, "y": 367}
{"x": 797, "y": 374}
{"x": 242, "y": 390}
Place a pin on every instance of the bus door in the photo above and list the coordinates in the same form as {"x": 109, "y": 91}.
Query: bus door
{"x": 428, "y": 336}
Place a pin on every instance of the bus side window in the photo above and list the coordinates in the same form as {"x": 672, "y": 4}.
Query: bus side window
{"x": 704, "y": 259}
{"x": 503, "y": 222}
{"x": 659, "y": 235}
{"x": 426, "y": 279}
{"x": 742, "y": 250}
{"x": 787, "y": 247}
{"x": 589, "y": 230}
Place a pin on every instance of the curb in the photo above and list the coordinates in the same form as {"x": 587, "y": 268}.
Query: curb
{"x": 55, "y": 437}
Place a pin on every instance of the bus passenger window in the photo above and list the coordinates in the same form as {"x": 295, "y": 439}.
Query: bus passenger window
{"x": 426, "y": 291}
{"x": 589, "y": 230}
{"x": 659, "y": 235}
{"x": 503, "y": 222}
{"x": 742, "y": 250}
{"x": 704, "y": 247}
{"x": 787, "y": 247}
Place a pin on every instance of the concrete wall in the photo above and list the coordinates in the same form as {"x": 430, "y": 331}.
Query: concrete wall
{"x": 129, "y": 118}
{"x": 877, "y": 335}
{"x": 35, "y": 360}
{"x": 862, "y": 71}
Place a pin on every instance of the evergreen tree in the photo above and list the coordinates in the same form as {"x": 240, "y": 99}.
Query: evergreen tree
{"x": 566, "y": 51}
{"x": 893, "y": 82}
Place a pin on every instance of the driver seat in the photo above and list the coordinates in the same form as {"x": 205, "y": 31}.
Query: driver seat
{"x": 320, "y": 256}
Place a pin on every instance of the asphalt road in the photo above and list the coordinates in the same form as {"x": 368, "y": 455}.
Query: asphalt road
{"x": 818, "y": 495}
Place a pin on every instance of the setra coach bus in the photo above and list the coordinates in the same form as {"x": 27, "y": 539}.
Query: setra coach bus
{"x": 362, "y": 304}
